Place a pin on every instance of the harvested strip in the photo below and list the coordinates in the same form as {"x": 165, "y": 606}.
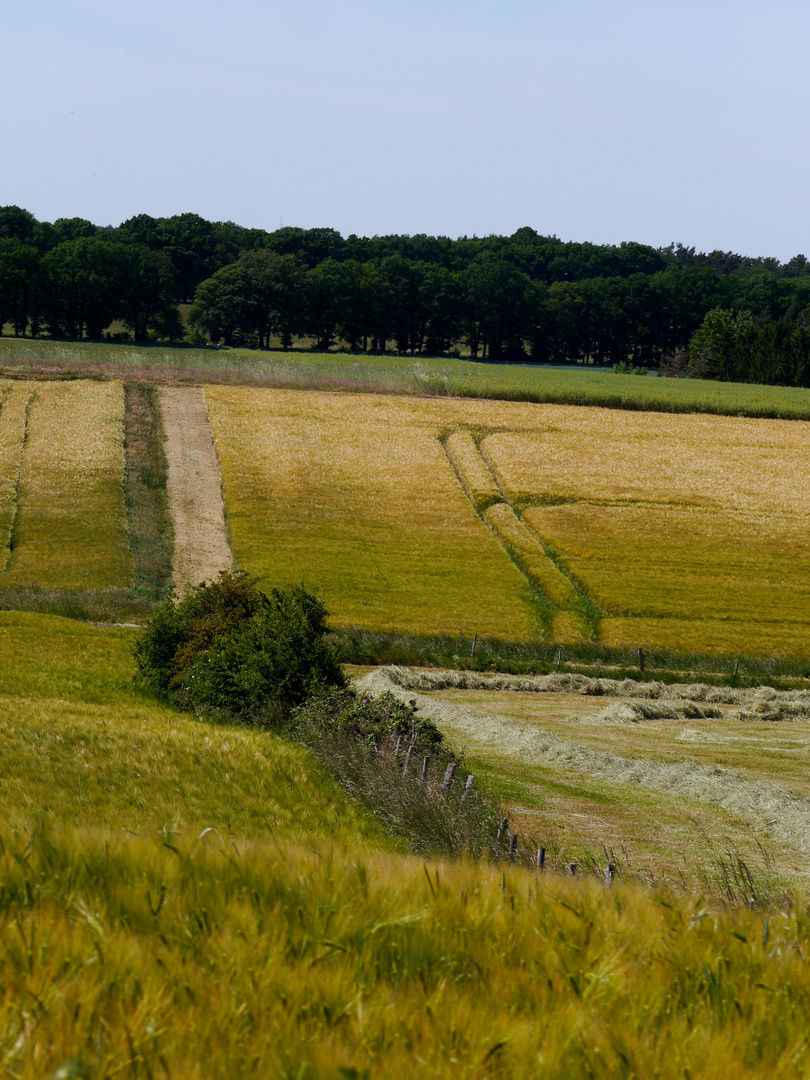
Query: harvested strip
{"x": 475, "y": 477}
{"x": 508, "y": 527}
{"x": 194, "y": 485}
{"x": 773, "y": 810}
{"x": 71, "y": 529}
{"x": 13, "y": 419}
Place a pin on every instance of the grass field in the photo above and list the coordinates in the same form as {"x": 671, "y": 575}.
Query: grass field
{"x": 390, "y": 374}
{"x": 669, "y": 792}
{"x": 185, "y": 899}
{"x": 81, "y": 745}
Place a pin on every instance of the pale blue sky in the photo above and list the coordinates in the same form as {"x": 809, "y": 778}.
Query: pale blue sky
{"x": 604, "y": 121}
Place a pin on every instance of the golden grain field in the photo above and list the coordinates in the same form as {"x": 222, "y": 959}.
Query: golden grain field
{"x": 687, "y": 532}
{"x": 354, "y": 495}
{"x": 63, "y": 520}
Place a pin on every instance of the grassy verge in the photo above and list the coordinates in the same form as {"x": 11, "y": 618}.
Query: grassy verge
{"x": 401, "y": 375}
{"x": 365, "y": 647}
{"x": 150, "y": 526}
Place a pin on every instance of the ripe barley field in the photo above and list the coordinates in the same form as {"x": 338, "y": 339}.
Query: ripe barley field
{"x": 686, "y": 533}
{"x": 61, "y": 482}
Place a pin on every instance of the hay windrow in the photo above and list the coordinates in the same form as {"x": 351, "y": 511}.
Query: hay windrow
{"x": 425, "y": 681}
{"x": 775, "y": 812}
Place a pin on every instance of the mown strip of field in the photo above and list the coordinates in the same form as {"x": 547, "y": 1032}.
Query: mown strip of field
{"x": 430, "y": 376}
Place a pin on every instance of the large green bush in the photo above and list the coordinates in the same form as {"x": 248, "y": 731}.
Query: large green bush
{"x": 230, "y": 648}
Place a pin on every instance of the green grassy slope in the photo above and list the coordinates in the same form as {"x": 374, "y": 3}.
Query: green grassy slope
{"x": 403, "y": 375}
{"x": 80, "y": 744}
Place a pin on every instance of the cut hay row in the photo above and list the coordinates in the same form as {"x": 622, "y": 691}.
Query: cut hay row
{"x": 13, "y": 421}
{"x": 355, "y": 496}
{"x": 778, "y": 814}
{"x": 472, "y": 471}
{"x": 70, "y": 531}
{"x": 427, "y": 681}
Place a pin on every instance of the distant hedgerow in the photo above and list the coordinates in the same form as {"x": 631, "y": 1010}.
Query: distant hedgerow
{"x": 230, "y": 648}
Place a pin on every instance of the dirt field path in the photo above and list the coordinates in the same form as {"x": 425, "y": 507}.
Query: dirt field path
{"x": 194, "y": 484}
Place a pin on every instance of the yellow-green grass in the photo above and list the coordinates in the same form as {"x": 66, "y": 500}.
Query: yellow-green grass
{"x": 686, "y": 533}
{"x": 80, "y": 744}
{"x": 664, "y": 833}
{"x": 274, "y": 960}
{"x": 66, "y": 462}
{"x": 513, "y": 533}
{"x": 355, "y": 496}
{"x": 259, "y": 924}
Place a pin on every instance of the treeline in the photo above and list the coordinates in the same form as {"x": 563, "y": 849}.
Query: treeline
{"x": 524, "y": 296}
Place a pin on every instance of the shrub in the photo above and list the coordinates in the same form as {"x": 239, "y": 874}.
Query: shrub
{"x": 356, "y": 736}
{"x": 374, "y": 722}
{"x": 230, "y": 648}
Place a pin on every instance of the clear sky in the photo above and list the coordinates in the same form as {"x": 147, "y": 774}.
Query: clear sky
{"x": 601, "y": 120}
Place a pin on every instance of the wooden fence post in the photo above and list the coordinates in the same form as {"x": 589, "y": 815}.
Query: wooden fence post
{"x": 448, "y": 776}
{"x": 425, "y": 763}
{"x": 503, "y": 827}
{"x": 468, "y": 786}
{"x": 736, "y": 668}
{"x": 398, "y": 746}
{"x": 573, "y": 868}
{"x": 610, "y": 874}
{"x": 541, "y": 858}
{"x": 559, "y": 656}
{"x": 408, "y": 757}
{"x": 640, "y": 659}
{"x": 513, "y": 843}
{"x": 472, "y": 650}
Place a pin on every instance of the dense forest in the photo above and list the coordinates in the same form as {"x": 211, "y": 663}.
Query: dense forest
{"x": 497, "y": 298}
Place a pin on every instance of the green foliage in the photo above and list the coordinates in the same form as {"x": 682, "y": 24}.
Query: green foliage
{"x": 230, "y": 648}
{"x": 372, "y": 721}
{"x": 393, "y": 762}
{"x": 720, "y": 325}
{"x": 625, "y": 368}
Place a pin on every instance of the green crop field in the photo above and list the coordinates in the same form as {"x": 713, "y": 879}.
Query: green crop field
{"x": 389, "y": 374}
{"x": 181, "y": 898}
